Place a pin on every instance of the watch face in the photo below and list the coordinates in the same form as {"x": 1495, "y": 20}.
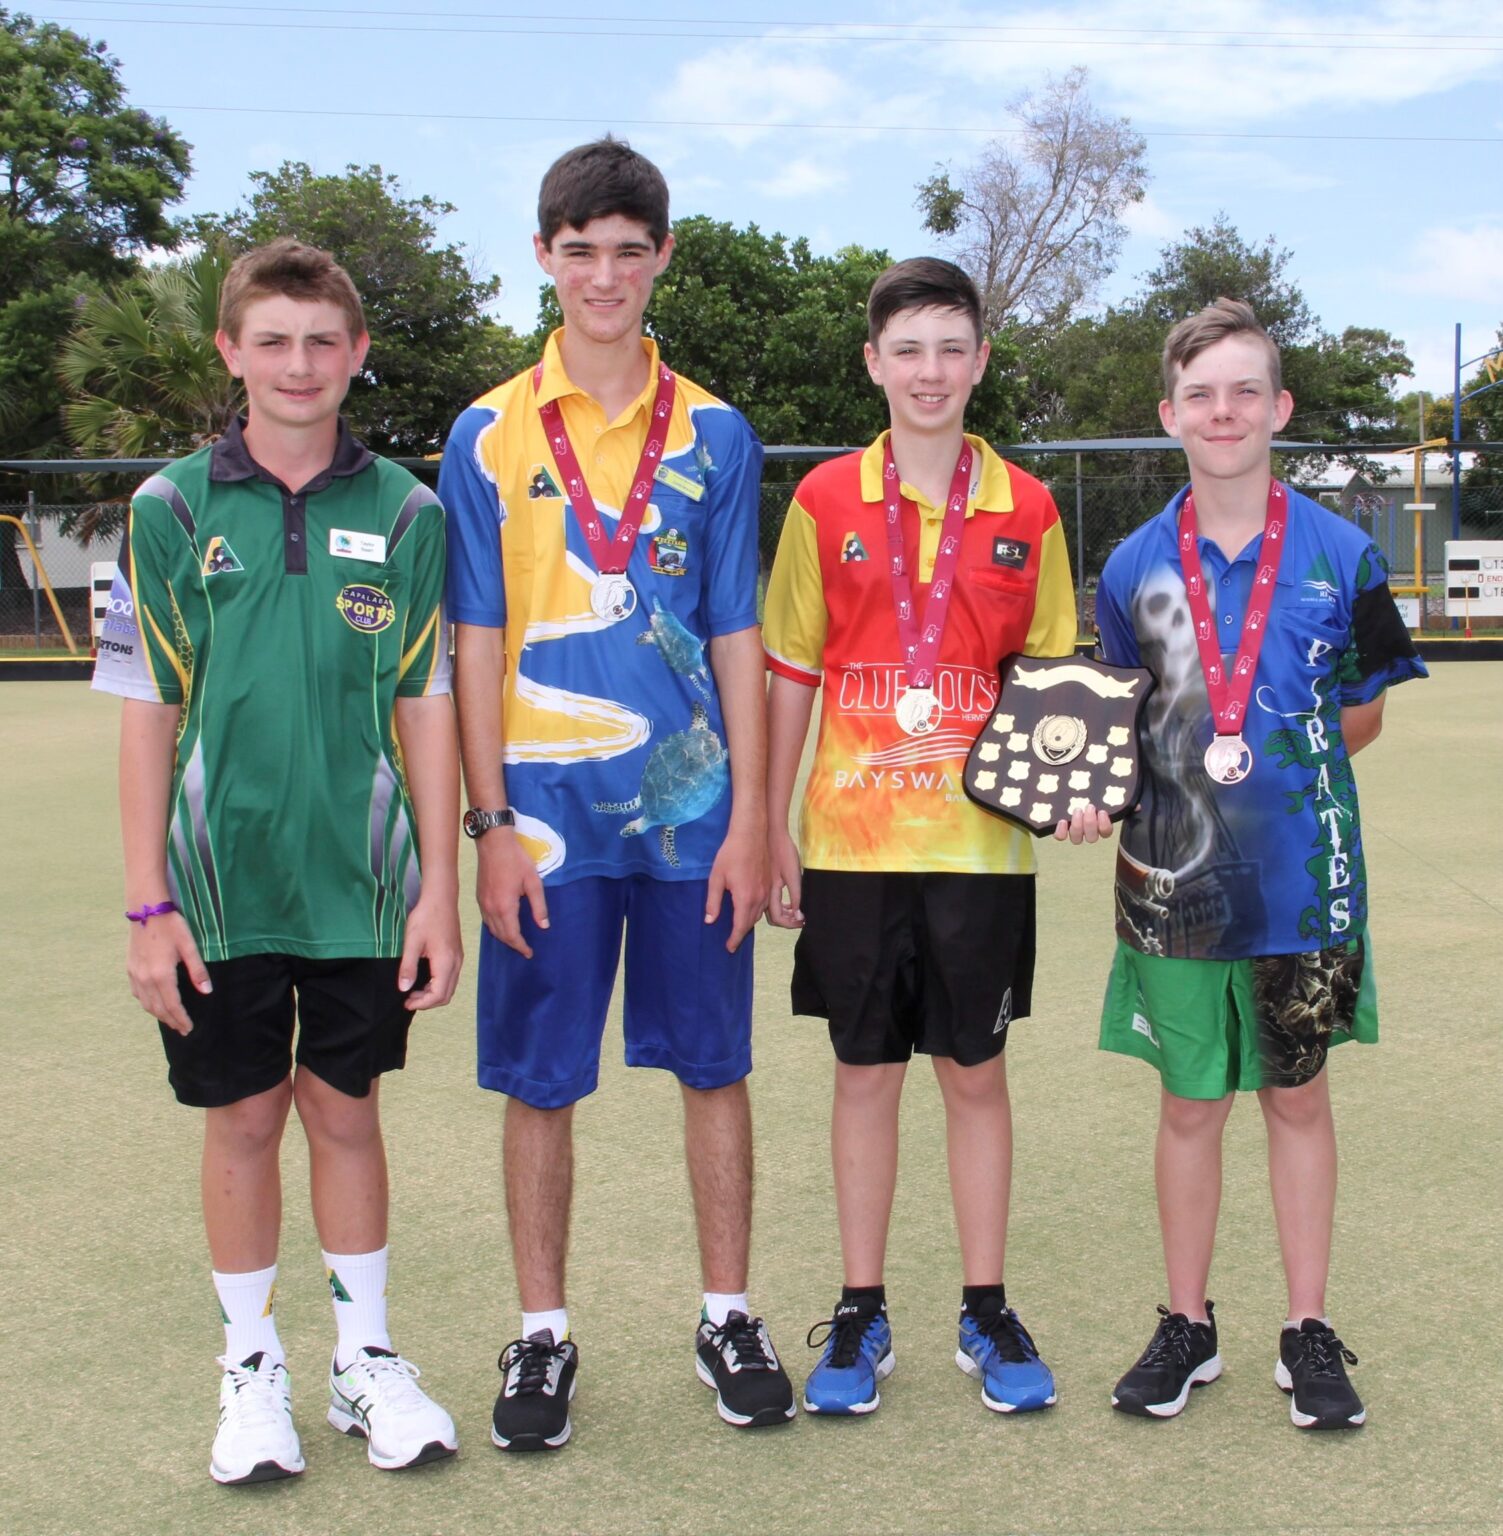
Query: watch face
{"x": 475, "y": 822}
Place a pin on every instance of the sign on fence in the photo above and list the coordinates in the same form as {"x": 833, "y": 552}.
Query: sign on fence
{"x": 101, "y": 580}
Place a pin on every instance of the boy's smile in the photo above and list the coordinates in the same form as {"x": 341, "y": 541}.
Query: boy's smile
{"x": 603, "y": 275}
{"x": 927, "y": 362}
{"x": 1225, "y": 410}
{"x": 296, "y": 358}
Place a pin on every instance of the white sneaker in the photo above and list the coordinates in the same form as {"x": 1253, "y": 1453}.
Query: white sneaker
{"x": 377, "y": 1398}
{"x": 255, "y": 1441}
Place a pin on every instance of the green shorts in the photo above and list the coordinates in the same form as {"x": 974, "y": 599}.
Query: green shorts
{"x": 1212, "y": 1027}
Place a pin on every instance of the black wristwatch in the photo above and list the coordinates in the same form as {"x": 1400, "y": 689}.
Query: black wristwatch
{"x": 476, "y": 822}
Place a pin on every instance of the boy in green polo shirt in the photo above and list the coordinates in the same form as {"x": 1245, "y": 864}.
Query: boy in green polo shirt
{"x": 277, "y": 633}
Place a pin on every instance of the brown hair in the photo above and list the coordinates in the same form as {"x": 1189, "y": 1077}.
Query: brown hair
{"x": 597, "y": 180}
{"x": 1191, "y": 337}
{"x": 288, "y": 269}
{"x": 922, "y": 282}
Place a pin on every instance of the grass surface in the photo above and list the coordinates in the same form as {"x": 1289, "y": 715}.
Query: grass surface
{"x": 110, "y": 1324}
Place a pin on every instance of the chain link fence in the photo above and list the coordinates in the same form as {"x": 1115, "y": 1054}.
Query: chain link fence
{"x": 1102, "y": 492}
{"x": 26, "y": 615}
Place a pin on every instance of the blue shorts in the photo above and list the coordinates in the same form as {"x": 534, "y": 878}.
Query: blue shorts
{"x": 688, "y": 1005}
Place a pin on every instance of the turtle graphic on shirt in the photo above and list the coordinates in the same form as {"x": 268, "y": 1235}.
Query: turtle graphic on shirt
{"x": 677, "y": 647}
{"x": 685, "y": 776}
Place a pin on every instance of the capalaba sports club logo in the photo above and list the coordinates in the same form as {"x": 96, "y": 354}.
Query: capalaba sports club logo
{"x": 367, "y": 609}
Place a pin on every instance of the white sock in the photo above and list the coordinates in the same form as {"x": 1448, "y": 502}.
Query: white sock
{"x": 247, "y": 1306}
{"x": 357, "y": 1287}
{"x": 719, "y": 1306}
{"x": 1294, "y": 1323}
{"x": 556, "y": 1321}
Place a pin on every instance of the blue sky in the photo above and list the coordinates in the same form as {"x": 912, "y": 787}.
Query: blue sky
{"x": 1367, "y": 138}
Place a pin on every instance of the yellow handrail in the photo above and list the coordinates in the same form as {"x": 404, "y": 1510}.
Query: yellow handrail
{"x": 41, "y": 571}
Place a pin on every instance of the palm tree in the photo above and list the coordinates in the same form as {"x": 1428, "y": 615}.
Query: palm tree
{"x": 143, "y": 372}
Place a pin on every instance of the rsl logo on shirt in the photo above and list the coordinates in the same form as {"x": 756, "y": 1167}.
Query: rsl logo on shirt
{"x": 367, "y": 609}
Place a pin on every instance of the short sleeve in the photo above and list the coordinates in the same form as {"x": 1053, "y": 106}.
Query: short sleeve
{"x": 138, "y": 655}
{"x": 1052, "y": 632}
{"x": 794, "y": 617}
{"x": 1380, "y": 650}
{"x": 734, "y": 485}
{"x": 425, "y": 645}
{"x": 474, "y": 585}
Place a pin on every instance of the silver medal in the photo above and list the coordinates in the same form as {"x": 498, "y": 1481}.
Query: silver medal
{"x": 1228, "y": 759}
{"x": 918, "y": 711}
{"x": 612, "y": 597}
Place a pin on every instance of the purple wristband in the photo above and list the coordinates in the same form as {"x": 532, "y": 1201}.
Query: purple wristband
{"x": 161, "y": 909}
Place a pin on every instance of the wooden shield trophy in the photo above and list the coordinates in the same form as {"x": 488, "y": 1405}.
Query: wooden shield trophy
{"x": 1064, "y": 735}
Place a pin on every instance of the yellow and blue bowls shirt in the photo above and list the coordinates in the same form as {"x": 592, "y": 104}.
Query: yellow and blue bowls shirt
{"x": 614, "y": 747}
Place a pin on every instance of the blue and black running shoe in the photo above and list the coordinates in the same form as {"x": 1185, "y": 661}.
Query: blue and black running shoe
{"x": 995, "y": 1346}
{"x": 857, "y": 1355}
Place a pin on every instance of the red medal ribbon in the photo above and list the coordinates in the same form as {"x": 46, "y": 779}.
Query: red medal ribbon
{"x": 921, "y": 646}
{"x": 1229, "y": 695}
{"x": 610, "y": 555}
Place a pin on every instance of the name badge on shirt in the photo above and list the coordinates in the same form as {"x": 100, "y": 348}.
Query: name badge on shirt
{"x": 693, "y": 489}
{"x": 356, "y": 546}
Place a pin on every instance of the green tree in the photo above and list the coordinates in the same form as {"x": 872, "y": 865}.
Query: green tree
{"x": 141, "y": 367}
{"x": 433, "y": 348}
{"x": 85, "y": 184}
{"x": 143, "y": 375}
{"x": 1099, "y": 376}
{"x": 777, "y": 331}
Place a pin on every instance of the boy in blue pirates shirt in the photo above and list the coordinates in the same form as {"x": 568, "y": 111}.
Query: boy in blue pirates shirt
{"x": 1241, "y": 895}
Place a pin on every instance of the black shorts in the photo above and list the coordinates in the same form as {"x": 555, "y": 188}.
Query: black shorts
{"x": 352, "y": 1026}
{"x": 900, "y": 963}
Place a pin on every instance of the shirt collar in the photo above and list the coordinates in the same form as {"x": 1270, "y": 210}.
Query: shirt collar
{"x": 991, "y": 485}
{"x": 1169, "y": 525}
{"x": 230, "y": 459}
{"x": 555, "y": 383}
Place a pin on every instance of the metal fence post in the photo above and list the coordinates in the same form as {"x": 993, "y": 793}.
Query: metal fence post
{"x": 1079, "y": 552}
{"x": 36, "y": 580}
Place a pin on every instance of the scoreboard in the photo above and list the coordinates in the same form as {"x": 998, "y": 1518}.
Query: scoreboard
{"x": 1474, "y": 578}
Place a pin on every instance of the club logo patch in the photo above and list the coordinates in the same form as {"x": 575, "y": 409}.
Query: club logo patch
{"x": 542, "y": 484}
{"x": 1010, "y": 552}
{"x": 220, "y": 558}
{"x": 668, "y": 554}
{"x": 367, "y": 609}
{"x": 851, "y": 548}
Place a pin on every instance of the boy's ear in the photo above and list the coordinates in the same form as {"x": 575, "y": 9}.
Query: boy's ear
{"x": 1283, "y": 410}
{"x": 665, "y": 255}
{"x": 873, "y": 362}
{"x": 229, "y": 351}
{"x": 1166, "y": 417}
{"x": 983, "y": 353}
{"x": 360, "y": 345}
{"x": 542, "y": 253}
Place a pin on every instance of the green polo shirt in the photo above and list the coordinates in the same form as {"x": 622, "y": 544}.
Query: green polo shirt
{"x": 286, "y": 624}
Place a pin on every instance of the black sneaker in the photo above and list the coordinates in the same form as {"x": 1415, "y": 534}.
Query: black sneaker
{"x": 1180, "y": 1355}
{"x": 532, "y": 1412}
{"x": 737, "y": 1359}
{"x": 1310, "y": 1368}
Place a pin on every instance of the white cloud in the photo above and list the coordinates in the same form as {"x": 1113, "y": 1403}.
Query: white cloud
{"x": 1243, "y": 65}
{"x": 760, "y": 85}
{"x": 800, "y": 178}
{"x": 1150, "y": 220}
{"x": 1454, "y": 262}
